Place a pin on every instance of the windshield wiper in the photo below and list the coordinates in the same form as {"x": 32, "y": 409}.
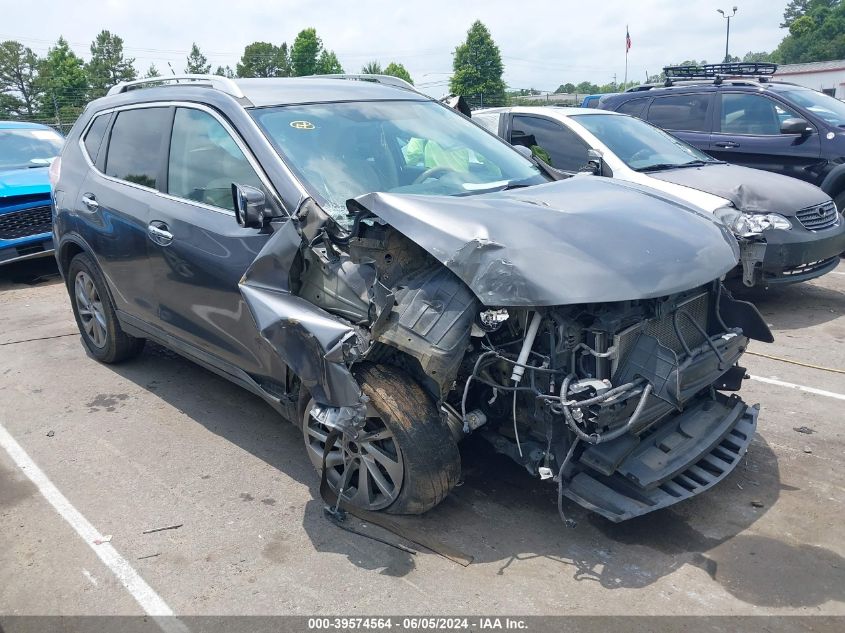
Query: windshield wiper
{"x": 662, "y": 166}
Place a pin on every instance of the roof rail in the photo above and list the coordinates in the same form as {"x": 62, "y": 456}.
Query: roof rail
{"x": 218, "y": 82}
{"x": 761, "y": 70}
{"x": 388, "y": 80}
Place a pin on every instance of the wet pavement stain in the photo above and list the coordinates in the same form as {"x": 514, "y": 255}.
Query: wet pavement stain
{"x": 108, "y": 402}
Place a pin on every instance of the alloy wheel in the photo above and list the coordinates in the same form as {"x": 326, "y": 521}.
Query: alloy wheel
{"x": 90, "y": 309}
{"x": 371, "y": 464}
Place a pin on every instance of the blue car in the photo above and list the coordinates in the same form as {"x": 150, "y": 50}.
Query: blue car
{"x": 26, "y": 153}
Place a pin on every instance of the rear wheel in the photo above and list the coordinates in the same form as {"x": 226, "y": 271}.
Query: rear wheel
{"x": 405, "y": 461}
{"x": 95, "y": 315}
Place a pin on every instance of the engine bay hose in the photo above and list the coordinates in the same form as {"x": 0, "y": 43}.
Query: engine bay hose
{"x": 527, "y": 344}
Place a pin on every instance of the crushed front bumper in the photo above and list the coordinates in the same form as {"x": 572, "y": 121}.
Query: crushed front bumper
{"x": 791, "y": 256}
{"x": 678, "y": 459}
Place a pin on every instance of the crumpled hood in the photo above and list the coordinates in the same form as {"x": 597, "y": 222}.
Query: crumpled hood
{"x": 22, "y": 182}
{"x": 752, "y": 190}
{"x": 575, "y": 241}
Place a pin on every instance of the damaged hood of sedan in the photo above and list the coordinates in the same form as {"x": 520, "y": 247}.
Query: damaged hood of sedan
{"x": 750, "y": 190}
{"x": 581, "y": 240}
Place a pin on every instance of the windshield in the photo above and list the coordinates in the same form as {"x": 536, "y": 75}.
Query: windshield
{"x": 827, "y": 108}
{"x": 640, "y": 145}
{"x": 21, "y": 148}
{"x": 344, "y": 150}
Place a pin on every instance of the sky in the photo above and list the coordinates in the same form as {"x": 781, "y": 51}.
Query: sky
{"x": 543, "y": 43}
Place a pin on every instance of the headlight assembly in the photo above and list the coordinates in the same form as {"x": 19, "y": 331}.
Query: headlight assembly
{"x": 751, "y": 224}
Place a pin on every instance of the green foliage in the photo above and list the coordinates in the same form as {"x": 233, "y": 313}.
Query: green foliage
{"x": 372, "y": 68}
{"x": 197, "y": 63}
{"x": 567, "y": 88}
{"x": 107, "y": 65}
{"x": 794, "y": 10}
{"x": 478, "y": 69}
{"x": 263, "y": 59}
{"x": 328, "y": 64}
{"x": 762, "y": 56}
{"x": 305, "y": 53}
{"x": 395, "y": 69}
{"x": 152, "y": 71}
{"x": 63, "y": 82}
{"x": 18, "y": 75}
{"x": 816, "y": 32}
{"x": 225, "y": 71}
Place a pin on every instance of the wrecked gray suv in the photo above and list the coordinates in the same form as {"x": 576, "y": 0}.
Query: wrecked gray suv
{"x": 391, "y": 277}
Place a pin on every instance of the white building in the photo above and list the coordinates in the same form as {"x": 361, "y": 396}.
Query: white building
{"x": 826, "y": 77}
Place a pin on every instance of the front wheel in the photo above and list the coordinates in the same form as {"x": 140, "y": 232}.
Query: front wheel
{"x": 405, "y": 460}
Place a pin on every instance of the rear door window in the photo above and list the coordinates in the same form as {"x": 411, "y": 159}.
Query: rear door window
{"x": 205, "y": 160}
{"x": 634, "y": 107}
{"x": 744, "y": 113}
{"x": 680, "y": 112}
{"x": 552, "y": 141}
{"x": 135, "y": 145}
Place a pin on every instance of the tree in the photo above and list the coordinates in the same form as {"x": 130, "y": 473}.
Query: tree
{"x": 816, "y": 32}
{"x": 762, "y": 56}
{"x": 152, "y": 71}
{"x": 107, "y": 65}
{"x": 328, "y": 64}
{"x": 477, "y": 69}
{"x": 62, "y": 79}
{"x": 305, "y": 53}
{"x": 225, "y": 71}
{"x": 372, "y": 68}
{"x": 197, "y": 62}
{"x": 794, "y": 10}
{"x": 398, "y": 70}
{"x": 567, "y": 88}
{"x": 263, "y": 59}
{"x": 18, "y": 75}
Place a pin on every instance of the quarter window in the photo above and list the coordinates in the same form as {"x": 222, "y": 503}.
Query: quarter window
{"x": 680, "y": 112}
{"x": 94, "y": 136}
{"x": 205, "y": 160}
{"x": 135, "y": 145}
{"x": 551, "y": 141}
{"x": 751, "y": 114}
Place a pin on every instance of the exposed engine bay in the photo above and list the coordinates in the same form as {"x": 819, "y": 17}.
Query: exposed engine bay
{"x": 619, "y": 402}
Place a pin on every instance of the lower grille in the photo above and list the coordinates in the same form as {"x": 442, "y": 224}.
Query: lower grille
{"x": 663, "y": 329}
{"x": 820, "y": 216}
{"x": 26, "y": 222}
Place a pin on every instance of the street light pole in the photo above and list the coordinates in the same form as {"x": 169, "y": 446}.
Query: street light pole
{"x": 728, "y": 34}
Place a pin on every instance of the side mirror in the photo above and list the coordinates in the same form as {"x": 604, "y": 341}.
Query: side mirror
{"x": 525, "y": 151}
{"x": 795, "y": 126}
{"x": 595, "y": 162}
{"x": 250, "y": 205}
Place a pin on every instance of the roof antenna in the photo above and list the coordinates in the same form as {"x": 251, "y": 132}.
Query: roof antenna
{"x": 172, "y": 72}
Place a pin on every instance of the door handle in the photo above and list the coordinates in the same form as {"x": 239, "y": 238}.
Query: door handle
{"x": 727, "y": 144}
{"x": 90, "y": 201}
{"x": 159, "y": 234}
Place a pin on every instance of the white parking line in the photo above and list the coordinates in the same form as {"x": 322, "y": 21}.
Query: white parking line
{"x": 144, "y": 595}
{"x": 781, "y": 383}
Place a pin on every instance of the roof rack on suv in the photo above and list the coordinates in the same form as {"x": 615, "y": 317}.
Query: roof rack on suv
{"x": 761, "y": 71}
{"x": 388, "y": 80}
{"x": 224, "y": 84}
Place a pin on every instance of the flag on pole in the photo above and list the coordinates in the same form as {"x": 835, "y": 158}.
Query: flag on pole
{"x": 627, "y": 40}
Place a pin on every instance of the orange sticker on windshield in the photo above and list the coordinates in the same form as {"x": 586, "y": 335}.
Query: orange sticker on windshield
{"x": 302, "y": 125}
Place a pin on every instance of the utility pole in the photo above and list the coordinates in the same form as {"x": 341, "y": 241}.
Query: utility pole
{"x": 728, "y": 34}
